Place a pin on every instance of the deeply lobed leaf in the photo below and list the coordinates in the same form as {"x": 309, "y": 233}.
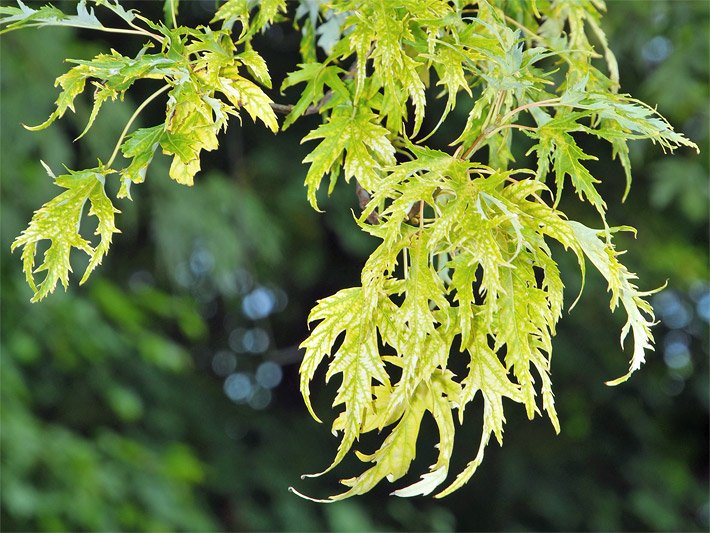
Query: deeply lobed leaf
{"x": 59, "y": 221}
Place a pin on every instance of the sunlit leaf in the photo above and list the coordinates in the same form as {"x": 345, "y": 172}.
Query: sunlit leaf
{"x": 59, "y": 221}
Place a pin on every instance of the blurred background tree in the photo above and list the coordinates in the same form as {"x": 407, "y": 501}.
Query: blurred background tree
{"x": 163, "y": 395}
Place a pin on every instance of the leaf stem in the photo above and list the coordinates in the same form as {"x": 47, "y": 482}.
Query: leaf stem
{"x": 485, "y": 134}
{"x": 516, "y": 126}
{"x": 494, "y": 110}
{"x": 172, "y": 13}
{"x": 542, "y": 103}
{"x": 132, "y": 119}
{"x": 144, "y": 31}
{"x": 137, "y": 31}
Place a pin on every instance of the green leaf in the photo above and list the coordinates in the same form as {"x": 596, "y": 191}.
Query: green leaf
{"x": 59, "y": 221}
{"x": 140, "y": 147}
{"x": 419, "y": 343}
{"x": 350, "y": 311}
{"x": 267, "y": 12}
{"x": 355, "y": 137}
{"x": 170, "y": 10}
{"x": 639, "y": 312}
{"x": 393, "y": 458}
{"x": 558, "y": 146}
{"x": 114, "y": 73}
{"x": 487, "y": 375}
{"x": 257, "y": 66}
{"x": 48, "y": 15}
{"x": 72, "y": 83}
{"x": 316, "y": 76}
{"x": 244, "y": 93}
{"x": 232, "y": 11}
{"x": 128, "y": 15}
{"x": 101, "y": 94}
{"x": 444, "y": 393}
{"x": 464, "y": 256}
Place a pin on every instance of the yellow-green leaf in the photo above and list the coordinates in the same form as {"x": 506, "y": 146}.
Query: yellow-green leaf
{"x": 59, "y": 221}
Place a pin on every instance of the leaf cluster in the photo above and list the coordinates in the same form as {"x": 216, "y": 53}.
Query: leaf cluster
{"x": 464, "y": 268}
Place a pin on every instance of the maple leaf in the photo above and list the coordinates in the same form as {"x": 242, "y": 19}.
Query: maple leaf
{"x": 267, "y": 11}
{"x": 316, "y": 76}
{"x": 487, "y": 375}
{"x": 140, "y": 147}
{"x": 244, "y": 93}
{"x": 557, "y": 145}
{"x": 48, "y": 15}
{"x": 59, "y": 222}
{"x": 190, "y": 128}
{"x": 639, "y": 312}
{"x": 355, "y": 137}
{"x": 357, "y": 358}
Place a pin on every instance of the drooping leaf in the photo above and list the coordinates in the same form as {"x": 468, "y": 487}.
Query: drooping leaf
{"x": 465, "y": 257}
{"x": 639, "y": 312}
{"x": 59, "y": 221}
{"x": 350, "y": 311}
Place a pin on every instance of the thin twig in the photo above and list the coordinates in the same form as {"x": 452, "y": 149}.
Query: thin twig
{"x": 133, "y": 117}
{"x": 285, "y": 109}
{"x": 542, "y": 103}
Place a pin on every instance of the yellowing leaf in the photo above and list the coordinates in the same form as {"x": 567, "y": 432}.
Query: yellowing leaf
{"x": 487, "y": 375}
{"x": 239, "y": 10}
{"x": 243, "y": 93}
{"x": 464, "y": 271}
{"x": 355, "y": 136}
{"x": 639, "y": 312}
{"x": 358, "y": 360}
{"x": 192, "y": 127}
{"x": 558, "y": 145}
{"x": 59, "y": 222}
{"x": 257, "y": 66}
{"x": 72, "y": 83}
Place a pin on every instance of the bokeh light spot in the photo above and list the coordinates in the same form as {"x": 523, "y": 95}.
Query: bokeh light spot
{"x": 269, "y": 374}
{"x": 224, "y": 363}
{"x": 674, "y": 312}
{"x": 236, "y": 340}
{"x": 255, "y": 340}
{"x": 201, "y": 262}
{"x": 260, "y": 398}
{"x": 657, "y": 50}
{"x": 259, "y": 303}
{"x": 703, "y": 307}
{"x": 238, "y": 387}
{"x": 676, "y": 355}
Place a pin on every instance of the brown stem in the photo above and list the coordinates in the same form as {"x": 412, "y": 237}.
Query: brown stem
{"x": 285, "y": 109}
{"x": 363, "y": 198}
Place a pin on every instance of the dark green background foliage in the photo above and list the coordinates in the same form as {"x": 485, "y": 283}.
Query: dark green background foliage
{"x": 150, "y": 399}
